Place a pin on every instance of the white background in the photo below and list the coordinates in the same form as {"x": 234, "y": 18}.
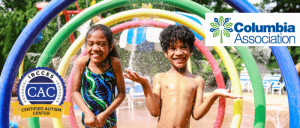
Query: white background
{"x": 247, "y": 19}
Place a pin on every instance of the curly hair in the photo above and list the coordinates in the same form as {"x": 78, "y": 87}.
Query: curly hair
{"x": 173, "y": 32}
{"x": 109, "y": 36}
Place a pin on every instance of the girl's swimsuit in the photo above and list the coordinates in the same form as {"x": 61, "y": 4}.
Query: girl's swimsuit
{"x": 98, "y": 92}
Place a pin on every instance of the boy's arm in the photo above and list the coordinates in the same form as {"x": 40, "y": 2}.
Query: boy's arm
{"x": 116, "y": 64}
{"x": 92, "y": 121}
{"x": 152, "y": 98}
{"x": 200, "y": 107}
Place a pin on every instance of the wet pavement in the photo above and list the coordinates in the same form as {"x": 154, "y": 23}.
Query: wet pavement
{"x": 139, "y": 117}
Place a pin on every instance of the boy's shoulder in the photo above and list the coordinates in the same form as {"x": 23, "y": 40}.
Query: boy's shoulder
{"x": 199, "y": 78}
{"x": 200, "y": 82}
{"x": 160, "y": 74}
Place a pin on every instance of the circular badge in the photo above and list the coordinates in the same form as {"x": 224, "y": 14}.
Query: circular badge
{"x": 41, "y": 86}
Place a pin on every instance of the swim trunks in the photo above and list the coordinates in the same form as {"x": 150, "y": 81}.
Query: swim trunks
{"x": 98, "y": 92}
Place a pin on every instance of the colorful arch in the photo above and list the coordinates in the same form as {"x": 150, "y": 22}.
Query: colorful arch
{"x": 188, "y": 5}
{"x": 142, "y": 23}
{"x": 179, "y": 19}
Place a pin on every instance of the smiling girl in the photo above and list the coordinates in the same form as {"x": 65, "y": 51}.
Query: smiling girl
{"x": 96, "y": 77}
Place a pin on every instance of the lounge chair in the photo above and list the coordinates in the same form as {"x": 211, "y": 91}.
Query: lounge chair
{"x": 266, "y": 82}
{"x": 245, "y": 82}
{"x": 137, "y": 93}
{"x": 129, "y": 88}
{"x": 278, "y": 86}
{"x": 275, "y": 79}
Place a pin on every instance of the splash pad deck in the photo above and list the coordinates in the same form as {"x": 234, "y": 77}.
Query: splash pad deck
{"x": 277, "y": 105}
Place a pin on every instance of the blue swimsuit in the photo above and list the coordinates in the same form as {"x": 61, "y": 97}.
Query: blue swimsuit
{"x": 98, "y": 92}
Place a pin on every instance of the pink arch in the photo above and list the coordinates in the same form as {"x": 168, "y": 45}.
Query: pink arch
{"x": 150, "y": 23}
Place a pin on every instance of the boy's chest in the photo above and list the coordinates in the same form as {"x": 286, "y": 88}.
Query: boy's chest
{"x": 179, "y": 85}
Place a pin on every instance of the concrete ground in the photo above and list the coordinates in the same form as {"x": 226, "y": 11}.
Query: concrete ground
{"x": 277, "y": 115}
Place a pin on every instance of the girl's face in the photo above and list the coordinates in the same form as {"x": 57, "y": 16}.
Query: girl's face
{"x": 97, "y": 46}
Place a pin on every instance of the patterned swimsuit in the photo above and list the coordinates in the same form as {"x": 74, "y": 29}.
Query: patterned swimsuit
{"x": 98, "y": 92}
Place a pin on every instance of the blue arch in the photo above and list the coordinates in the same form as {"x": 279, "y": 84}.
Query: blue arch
{"x": 285, "y": 63}
{"x": 15, "y": 57}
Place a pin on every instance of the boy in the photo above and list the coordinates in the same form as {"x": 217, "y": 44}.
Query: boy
{"x": 177, "y": 94}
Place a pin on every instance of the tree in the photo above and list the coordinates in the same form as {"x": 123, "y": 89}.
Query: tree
{"x": 14, "y": 16}
{"x": 285, "y": 5}
{"x": 202, "y": 68}
{"x": 215, "y": 5}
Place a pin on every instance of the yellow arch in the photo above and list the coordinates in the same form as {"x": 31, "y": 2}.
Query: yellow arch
{"x": 156, "y": 13}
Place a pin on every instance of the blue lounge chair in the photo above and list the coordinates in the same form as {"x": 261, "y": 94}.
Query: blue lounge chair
{"x": 278, "y": 86}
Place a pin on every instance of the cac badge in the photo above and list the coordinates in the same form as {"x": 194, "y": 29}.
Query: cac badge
{"x": 41, "y": 93}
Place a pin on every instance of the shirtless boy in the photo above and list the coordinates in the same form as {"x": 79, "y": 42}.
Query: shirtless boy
{"x": 177, "y": 94}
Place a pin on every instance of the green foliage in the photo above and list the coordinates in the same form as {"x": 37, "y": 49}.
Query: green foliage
{"x": 272, "y": 63}
{"x": 12, "y": 23}
{"x": 201, "y": 67}
{"x": 285, "y": 5}
{"x": 14, "y": 17}
{"x": 215, "y": 5}
{"x": 17, "y": 5}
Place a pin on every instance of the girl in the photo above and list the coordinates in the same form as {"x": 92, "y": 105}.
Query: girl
{"x": 95, "y": 79}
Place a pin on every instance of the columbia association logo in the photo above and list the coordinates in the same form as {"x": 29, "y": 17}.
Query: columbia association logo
{"x": 221, "y": 27}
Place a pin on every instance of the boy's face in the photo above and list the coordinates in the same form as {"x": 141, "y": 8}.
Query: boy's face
{"x": 178, "y": 54}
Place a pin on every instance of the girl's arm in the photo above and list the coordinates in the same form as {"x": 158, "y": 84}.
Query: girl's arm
{"x": 152, "y": 98}
{"x": 200, "y": 107}
{"x": 116, "y": 65}
{"x": 90, "y": 118}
